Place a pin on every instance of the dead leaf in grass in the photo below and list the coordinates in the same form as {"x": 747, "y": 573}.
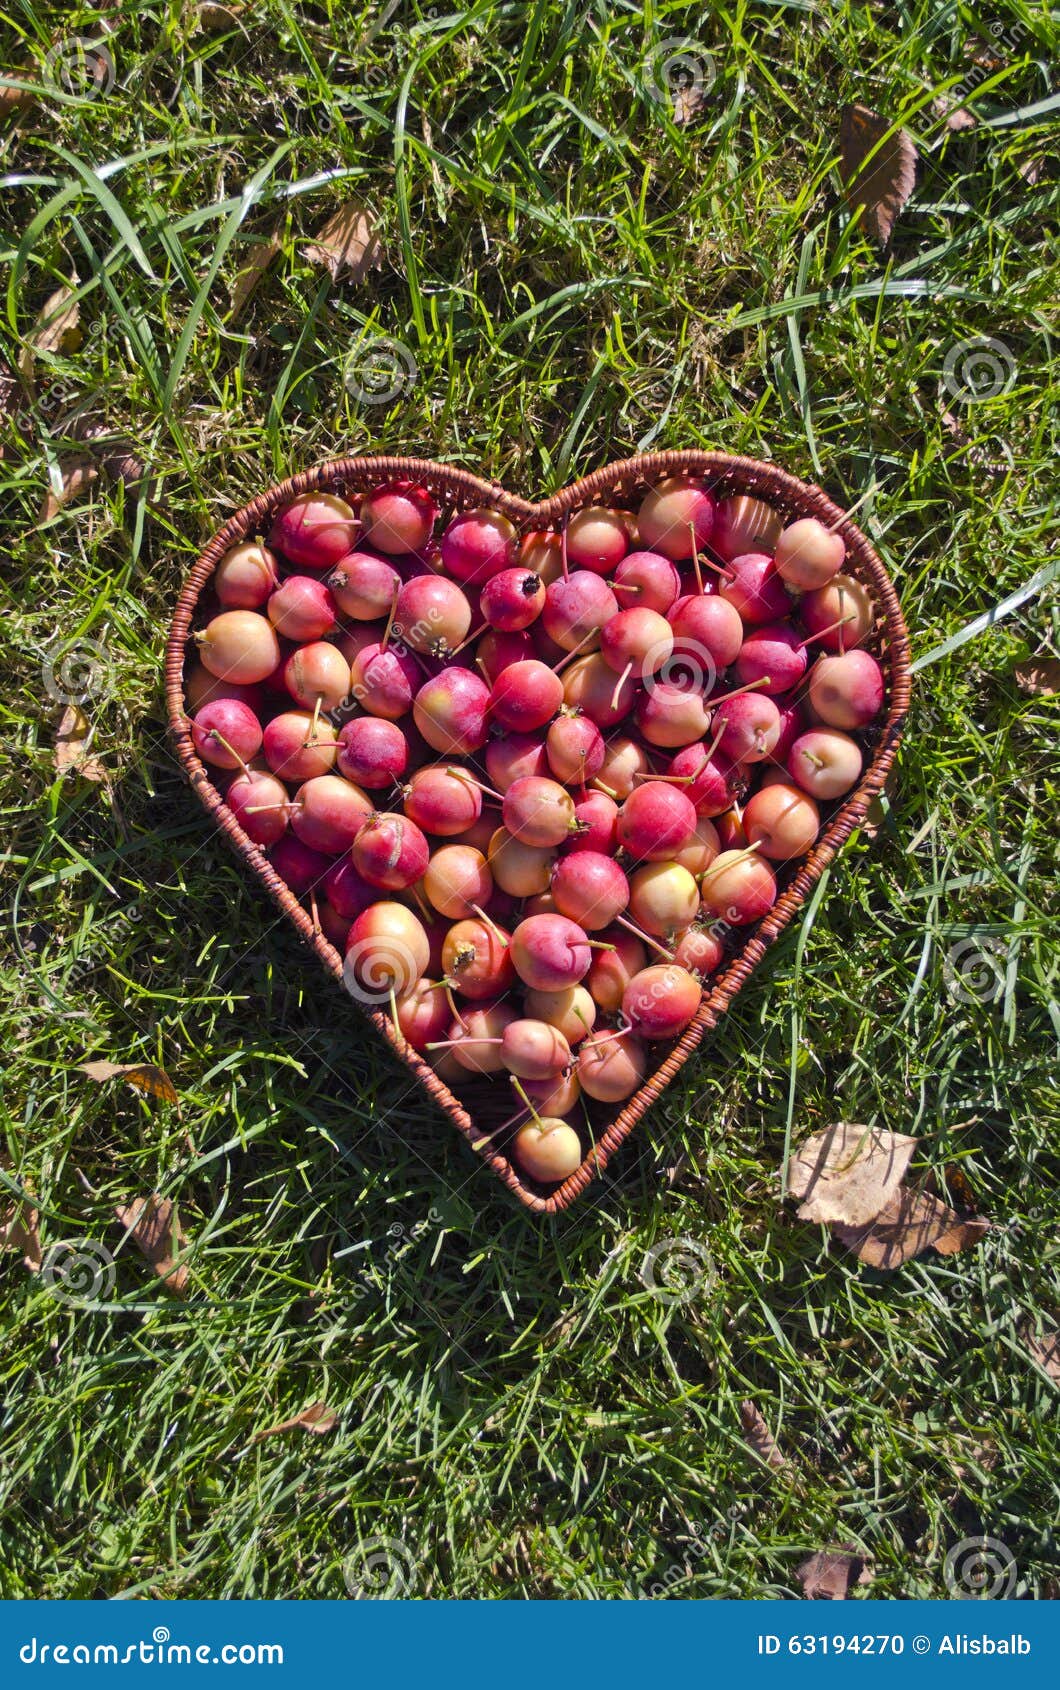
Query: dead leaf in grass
{"x": 1039, "y": 675}
{"x": 688, "y": 102}
{"x": 828, "y": 1575}
{"x": 318, "y": 1418}
{"x": 16, "y": 99}
{"x": 218, "y": 20}
{"x": 152, "y": 1224}
{"x": 883, "y": 182}
{"x": 957, "y": 117}
{"x": 759, "y": 1437}
{"x": 18, "y": 1229}
{"x": 72, "y": 738}
{"x": 77, "y": 473}
{"x": 57, "y": 329}
{"x": 246, "y": 282}
{"x": 143, "y": 1076}
{"x": 912, "y": 1222}
{"x": 1045, "y": 1350}
{"x": 347, "y": 244}
{"x": 848, "y": 1172}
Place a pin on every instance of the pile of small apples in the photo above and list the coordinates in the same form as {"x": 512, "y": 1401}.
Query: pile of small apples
{"x": 529, "y": 785}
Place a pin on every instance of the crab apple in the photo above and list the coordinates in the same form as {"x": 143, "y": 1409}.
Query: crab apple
{"x": 526, "y": 696}
{"x": 596, "y": 824}
{"x": 609, "y": 1068}
{"x": 774, "y": 654}
{"x": 520, "y": 870}
{"x": 348, "y": 891}
{"x": 843, "y": 601}
{"x": 705, "y": 777}
{"x": 512, "y": 600}
{"x": 699, "y": 950}
{"x": 549, "y": 952}
{"x": 808, "y": 554}
{"x": 744, "y": 524}
{"x": 597, "y": 539}
{"x": 352, "y": 641}
{"x": 477, "y": 959}
{"x": 611, "y": 971}
{"x": 847, "y": 691}
{"x": 660, "y": 1001}
{"x": 315, "y": 531}
{"x": 298, "y": 864}
{"x": 791, "y": 727}
{"x": 575, "y": 748}
{"x": 390, "y": 851}
{"x": 479, "y": 834}
{"x": 239, "y": 646}
{"x": 589, "y": 686}
{"x": 387, "y": 951}
{"x": 328, "y": 812}
{"x": 782, "y": 821}
{"x": 636, "y": 642}
{"x": 534, "y": 1050}
{"x": 572, "y": 1011}
{"x": 538, "y": 812}
{"x": 478, "y": 1034}
{"x": 297, "y": 748}
{"x": 496, "y": 652}
{"x": 384, "y": 681}
{"x": 655, "y": 820}
{"x": 663, "y": 898}
{"x": 547, "y": 1149}
{"x": 708, "y": 630}
{"x": 476, "y": 545}
{"x": 363, "y": 586}
{"x": 445, "y": 1065}
{"x": 555, "y": 1096}
{"x": 441, "y": 800}
{"x": 200, "y": 687}
{"x": 514, "y": 756}
{"x": 335, "y": 927}
{"x": 648, "y": 580}
{"x": 730, "y": 830}
{"x": 450, "y": 712}
{"x": 675, "y": 515}
{"x": 432, "y": 615}
{"x": 701, "y": 849}
{"x": 825, "y": 763}
{"x": 317, "y": 673}
{"x": 542, "y": 903}
{"x": 541, "y": 551}
{"x": 456, "y": 880}
{"x": 623, "y": 760}
{"x": 302, "y": 609}
{"x": 750, "y": 727}
{"x": 754, "y": 588}
{"x": 373, "y": 752}
{"x": 590, "y": 889}
{"x": 577, "y": 606}
{"x": 423, "y": 1015}
{"x": 669, "y": 715}
{"x": 245, "y": 576}
{"x": 259, "y": 803}
{"x": 739, "y": 887}
{"x": 226, "y": 733}
{"x": 398, "y": 517}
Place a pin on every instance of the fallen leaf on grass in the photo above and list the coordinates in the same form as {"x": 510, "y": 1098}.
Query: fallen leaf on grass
{"x": 883, "y": 183}
{"x": 246, "y": 282}
{"x": 912, "y": 1222}
{"x": 143, "y": 1076}
{"x": 1045, "y": 1350}
{"x": 1039, "y": 675}
{"x": 152, "y": 1224}
{"x": 218, "y": 20}
{"x": 848, "y": 1172}
{"x": 318, "y": 1418}
{"x": 688, "y": 102}
{"x": 957, "y": 117}
{"x": 57, "y": 329}
{"x": 347, "y": 244}
{"x": 16, "y": 99}
{"x": 18, "y": 1229}
{"x": 77, "y": 474}
{"x": 828, "y": 1575}
{"x": 71, "y": 746}
{"x": 759, "y": 1437}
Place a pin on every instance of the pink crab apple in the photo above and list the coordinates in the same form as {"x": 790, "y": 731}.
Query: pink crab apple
{"x": 636, "y": 642}
{"x": 335, "y": 927}
{"x": 701, "y": 849}
{"x": 302, "y": 608}
{"x": 661, "y": 1000}
{"x": 521, "y": 870}
{"x": 239, "y": 646}
{"x": 315, "y": 531}
{"x": 300, "y": 866}
{"x": 847, "y": 690}
{"x": 364, "y": 586}
{"x": 442, "y": 800}
{"x": 259, "y": 803}
{"x": 476, "y": 545}
{"x": 477, "y": 1037}
{"x": 838, "y": 616}
{"x": 317, "y": 674}
{"x": 610, "y": 1068}
{"x": 576, "y": 607}
{"x": 574, "y": 748}
{"x": 514, "y": 756}
{"x": 699, "y": 950}
{"x": 590, "y": 889}
{"x": 611, "y": 970}
{"x": 549, "y": 952}
{"x": 750, "y": 727}
{"x": 773, "y": 654}
{"x": 476, "y": 957}
{"x": 226, "y": 733}
{"x": 541, "y": 551}
{"x": 754, "y": 589}
{"x": 432, "y": 615}
{"x": 538, "y": 812}
{"x": 596, "y": 824}
{"x": 663, "y": 898}
{"x": 534, "y": 1050}
{"x": 708, "y": 630}
{"x": 589, "y": 686}
{"x": 384, "y": 681}
{"x": 825, "y": 763}
{"x": 296, "y": 747}
{"x": 423, "y": 1015}
{"x": 557, "y": 1095}
{"x": 623, "y": 761}
{"x": 525, "y": 696}
{"x": 200, "y": 687}
{"x": 572, "y": 1011}
{"x": 669, "y": 716}
{"x": 457, "y": 881}
{"x": 745, "y": 524}
{"x": 450, "y": 712}
{"x": 676, "y": 515}
{"x": 328, "y": 812}
{"x": 808, "y": 554}
{"x": 398, "y": 517}
{"x": 347, "y": 891}
{"x": 245, "y": 576}
{"x": 647, "y": 580}
{"x": 512, "y": 600}
{"x": 782, "y": 821}
{"x": 655, "y": 821}
{"x": 597, "y": 539}
{"x": 387, "y": 951}
{"x": 390, "y": 852}
{"x": 373, "y": 752}
{"x": 547, "y": 1149}
{"x": 496, "y": 652}
{"x": 352, "y": 641}
{"x": 705, "y": 776}
{"x": 738, "y": 887}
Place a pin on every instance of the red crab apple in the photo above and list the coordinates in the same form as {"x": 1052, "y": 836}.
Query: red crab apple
{"x": 390, "y": 852}
{"x": 705, "y": 776}
{"x": 328, "y": 812}
{"x": 597, "y": 539}
{"x": 669, "y": 715}
{"x": 708, "y": 632}
{"x": 476, "y": 545}
{"x": 699, "y": 950}
{"x": 839, "y": 615}
{"x": 636, "y": 642}
{"x": 647, "y": 580}
{"x": 296, "y": 747}
{"x": 317, "y": 675}
{"x": 514, "y": 756}
{"x": 596, "y": 822}
{"x": 476, "y": 957}
{"x": 548, "y": 1149}
{"x": 442, "y": 800}
{"x": 660, "y": 1001}
{"x": 347, "y": 891}
{"x": 496, "y": 652}
{"x": 200, "y": 687}
{"x": 521, "y": 870}
{"x": 387, "y": 951}
{"x": 245, "y": 576}
{"x": 590, "y": 889}
{"x": 302, "y": 608}
{"x": 663, "y": 898}
{"x": 364, "y": 587}
{"x": 542, "y": 552}
{"x": 655, "y": 820}
{"x": 239, "y": 646}
{"x": 676, "y": 515}
{"x": 512, "y": 600}
{"x": 335, "y": 927}
{"x": 773, "y": 654}
{"x": 525, "y": 696}
{"x": 226, "y": 733}
{"x": 423, "y": 1015}
{"x": 589, "y": 686}
{"x": 299, "y": 865}
{"x": 538, "y": 812}
{"x": 450, "y": 712}
{"x": 550, "y": 953}
{"x": 744, "y": 524}
{"x": 574, "y": 747}
{"x": 432, "y": 615}
{"x": 808, "y": 554}
{"x": 825, "y": 763}
{"x": 701, "y": 849}
{"x": 576, "y": 607}
{"x": 847, "y": 691}
{"x": 398, "y": 517}
{"x": 259, "y": 803}
{"x": 782, "y": 821}
{"x": 557, "y": 1095}
{"x": 750, "y": 727}
{"x": 458, "y": 881}
{"x": 610, "y": 1067}
{"x": 373, "y": 752}
{"x": 754, "y": 588}
{"x": 739, "y": 887}
{"x": 476, "y": 1037}
{"x": 534, "y": 1050}
{"x": 623, "y": 761}
{"x": 315, "y": 531}
{"x": 611, "y": 971}
{"x": 384, "y": 681}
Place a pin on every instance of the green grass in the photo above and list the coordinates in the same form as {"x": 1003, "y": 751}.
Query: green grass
{"x": 575, "y": 278}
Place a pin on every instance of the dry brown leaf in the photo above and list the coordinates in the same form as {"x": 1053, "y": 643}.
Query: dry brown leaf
{"x": 848, "y": 1172}
{"x": 828, "y": 1575}
{"x": 759, "y": 1437}
{"x": 688, "y": 102}
{"x": 983, "y": 54}
{"x": 957, "y": 117}
{"x": 57, "y": 329}
{"x": 959, "y": 1187}
{"x": 78, "y": 473}
{"x": 16, "y": 99}
{"x": 247, "y": 280}
{"x": 143, "y": 1076}
{"x": 1045, "y": 1350}
{"x": 218, "y": 20}
{"x": 152, "y": 1224}
{"x": 347, "y": 244}
{"x": 18, "y": 1229}
{"x": 71, "y": 746}
{"x": 318, "y": 1418}
{"x": 883, "y": 183}
{"x": 1039, "y": 675}
{"x": 912, "y": 1222}
{"x": 1031, "y": 170}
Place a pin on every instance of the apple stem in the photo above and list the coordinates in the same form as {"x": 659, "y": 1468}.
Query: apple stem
{"x": 447, "y": 1044}
{"x": 608, "y": 791}
{"x": 453, "y": 1005}
{"x": 748, "y": 851}
{"x": 609, "y": 1038}
{"x": 525, "y": 1099}
{"x": 556, "y": 667}
{"x": 624, "y": 587}
{"x": 840, "y": 623}
{"x": 695, "y": 557}
{"x": 232, "y": 752}
{"x": 620, "y": 683}
{"x": 471, "y": 780}
{"x": 563, "y": 550}
{"x": 424, "y": 909}
{"x": 599, "y": 945}
{"x": 860, "y": 500}
{"x": 752, "y": 686}
{"x": 645, "y": 938}
{"x": 491, "y": 924}
{"x": 472, "y": 636}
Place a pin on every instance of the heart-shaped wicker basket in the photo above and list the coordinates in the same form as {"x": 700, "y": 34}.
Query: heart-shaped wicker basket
{"x": 478, "y": 1114}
